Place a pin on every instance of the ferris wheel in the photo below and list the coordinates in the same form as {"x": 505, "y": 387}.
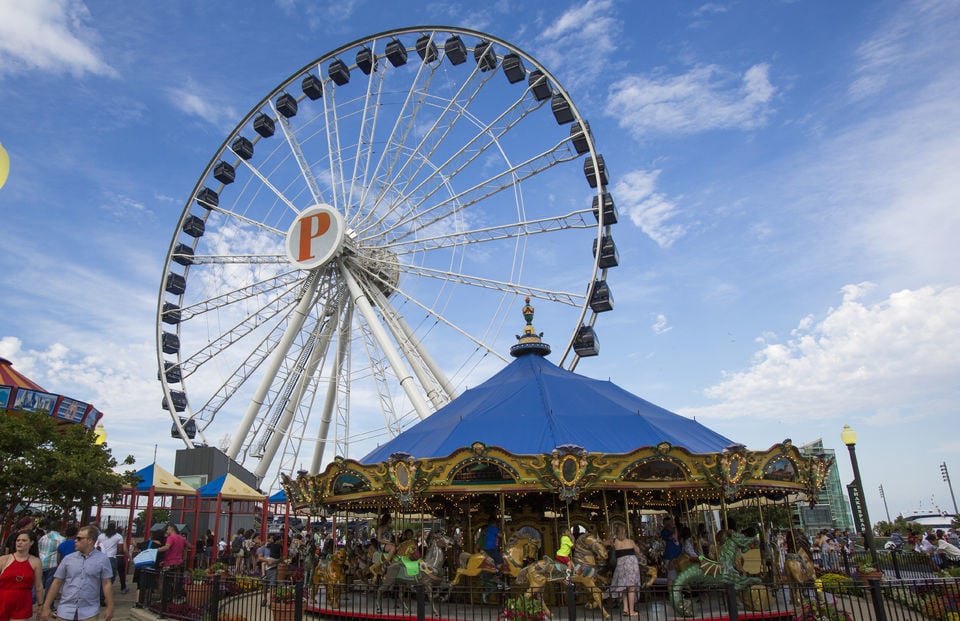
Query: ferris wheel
{"x": 358, "y": 249}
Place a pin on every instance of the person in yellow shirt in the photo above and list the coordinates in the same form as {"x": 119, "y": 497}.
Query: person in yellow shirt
{"x": 566, "y": 548}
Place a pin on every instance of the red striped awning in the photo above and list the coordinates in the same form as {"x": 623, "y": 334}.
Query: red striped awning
{"x": 11, "y": 377}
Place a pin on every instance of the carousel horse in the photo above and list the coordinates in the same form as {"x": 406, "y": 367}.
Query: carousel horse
{"x": 332, "y": 574}
{"x": 588, "y": 553}
{"x": 363, "y": 557}
{"x": 427, "y": 571}
{"x": 520, "y": 547}
{"x": 651, "y": 553}
{"x": 798, "y": 568}
{"x": 713, "y": 572}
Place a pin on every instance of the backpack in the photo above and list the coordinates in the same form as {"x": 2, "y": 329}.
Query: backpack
{"x": 237, "y": 544}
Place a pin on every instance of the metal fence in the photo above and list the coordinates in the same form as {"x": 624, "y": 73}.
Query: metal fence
{"x": 833, "y": 597}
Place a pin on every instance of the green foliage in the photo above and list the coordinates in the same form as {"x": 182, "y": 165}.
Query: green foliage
{"x": 523, "y": 609}
{"x": 885, "y": 529}
{"x": 58, "y": 466}
{"x": 837, "y": 584}
{"x": 159, "y": 515}
{"x": 284, "y": 594}
{"x": 778, "y": 515}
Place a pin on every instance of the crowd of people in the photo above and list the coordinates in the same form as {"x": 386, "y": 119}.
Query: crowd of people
{"x": 44, "y": 573}
{"x": 943, "y": 547}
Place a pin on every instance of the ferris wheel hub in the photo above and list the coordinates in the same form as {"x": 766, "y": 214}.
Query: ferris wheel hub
{"x": 315, "y": 237}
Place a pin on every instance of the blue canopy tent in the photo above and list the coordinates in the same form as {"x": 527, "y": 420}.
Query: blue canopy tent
{"x": 533, "y": 406}
{"x": 229, "y": 488}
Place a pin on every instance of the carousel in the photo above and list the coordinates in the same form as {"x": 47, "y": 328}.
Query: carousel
{"x": 537, "y": 449}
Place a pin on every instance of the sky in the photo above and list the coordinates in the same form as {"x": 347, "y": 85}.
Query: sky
{"x": 788, "y": 228}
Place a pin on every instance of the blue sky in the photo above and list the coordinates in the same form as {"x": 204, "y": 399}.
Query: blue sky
{"x": 782, "y": 169}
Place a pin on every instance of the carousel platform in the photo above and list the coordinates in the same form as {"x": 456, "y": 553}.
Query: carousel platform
{"x": 469, "y": 605}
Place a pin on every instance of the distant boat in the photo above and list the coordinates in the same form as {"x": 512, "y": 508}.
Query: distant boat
{"x": 931, "y": 519}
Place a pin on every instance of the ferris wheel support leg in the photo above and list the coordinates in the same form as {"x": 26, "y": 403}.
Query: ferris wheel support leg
{"x": 297, "y": 320}
{"x": 290, "y": 407}
{"x": 362, "y": 302}
{"x": 412, "y": 347}
{"x": 331, "y": 396}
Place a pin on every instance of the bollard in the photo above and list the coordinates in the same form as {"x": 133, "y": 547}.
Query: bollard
{"x": 880, "y": 613}
{"x": 298, "y": 607}
{"x": 733, "y": 612}
{"x": 571, "y": 602}
{"x": 214, "y": 604}
{"x": 421, "y": 602}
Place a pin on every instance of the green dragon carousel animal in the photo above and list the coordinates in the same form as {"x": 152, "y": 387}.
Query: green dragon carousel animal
{"x": 710, "y": 572}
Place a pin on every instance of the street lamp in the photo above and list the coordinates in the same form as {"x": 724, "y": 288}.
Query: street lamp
{"x": 858, "y": 501}
{"x": 885, "y": 507}
{"x": 946, "y": 477}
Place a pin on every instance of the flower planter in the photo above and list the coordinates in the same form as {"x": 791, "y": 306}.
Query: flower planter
{"x": 198, "y": 594}
{"x": 283, "y": 611}
{"x": 865, "y": 578}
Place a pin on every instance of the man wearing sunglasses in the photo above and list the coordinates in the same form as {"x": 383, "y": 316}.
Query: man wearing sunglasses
{"x": 81, "y": 575}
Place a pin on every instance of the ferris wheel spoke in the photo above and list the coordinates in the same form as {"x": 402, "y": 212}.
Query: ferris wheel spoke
{"x": 432, "y": 380}
{"x": 363, "y": 152}
{"x": 438, "y": 317}
{"x": 485, "y": 189}
{"x": 487, "y": 137}
{"x": 512, "y": 230}
{"x": 399, "y": 134}
{"x": 299, "y": 384}
{"x": 297, "y": 151}
{"x": 378, "y": 372}
{"x": 363, "y": 304}
{"x": 336, "y": 380}
{"x": 262, "y": 287}
{"x": 242, "y": 373}
{"x": 334, "y": 150}
{"x": 283, "y": 346}
{"x": 255, "y": 171}
{"x": 536, "y": 293}
{"x": 237, "y": 259}
{"x": 280, "y": 305}
{"x": 265, "y": 228}
{"x": 432, "y": 138}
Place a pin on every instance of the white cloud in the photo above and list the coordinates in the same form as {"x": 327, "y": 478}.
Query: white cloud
{"x": 661, "y": 325}
{"x": 50, "y": 36}
{"x": 706, "y": 98}
{"x": 589, "y": 31}
{"x": 213, "y": 109}
{"x": 915, "y": 35}
{"x": 648, "y": 209}
{"x": 889, "y": 360}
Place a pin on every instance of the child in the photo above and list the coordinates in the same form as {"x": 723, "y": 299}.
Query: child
{"x": 566, "y": 547}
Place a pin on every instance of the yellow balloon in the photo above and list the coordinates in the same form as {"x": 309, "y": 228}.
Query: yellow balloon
{"x": 4, "y": 165}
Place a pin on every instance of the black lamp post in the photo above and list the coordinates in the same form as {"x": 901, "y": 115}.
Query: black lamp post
{"x": 859, "y": 504}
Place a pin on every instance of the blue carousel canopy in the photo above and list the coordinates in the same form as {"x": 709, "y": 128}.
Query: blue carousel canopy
{"x": 280, "y": 496}
{"x": 533, "y": 406}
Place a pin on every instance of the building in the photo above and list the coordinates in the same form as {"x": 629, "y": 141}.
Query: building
{"x": 833, "y": 508}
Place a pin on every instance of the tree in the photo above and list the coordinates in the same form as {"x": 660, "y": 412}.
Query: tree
{"x": 778, "y": 515}
{"x": 59, "y": 468}
{"x": 157, "y": 516}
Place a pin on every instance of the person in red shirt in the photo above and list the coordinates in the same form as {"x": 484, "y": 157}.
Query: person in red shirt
{"x": 174, "y": 549}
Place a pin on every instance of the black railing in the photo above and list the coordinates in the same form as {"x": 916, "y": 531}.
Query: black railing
{"x": 833, "y": 597}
